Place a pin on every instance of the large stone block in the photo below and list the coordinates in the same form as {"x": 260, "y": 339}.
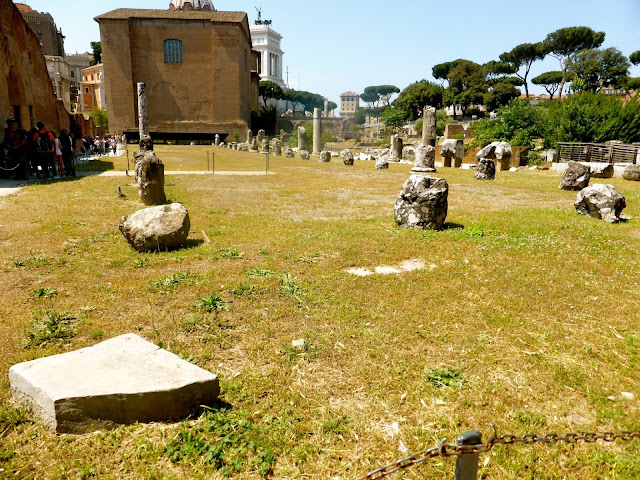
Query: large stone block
{"x": 120, "y": 381}
{"x": 156, "y": 228}
{"x": 632, "y": 172}
{"x": 601, "y": 201}
{"x": 422, "y": 203}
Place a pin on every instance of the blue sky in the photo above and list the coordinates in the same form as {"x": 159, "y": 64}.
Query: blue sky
{"x": 334, "y": 46}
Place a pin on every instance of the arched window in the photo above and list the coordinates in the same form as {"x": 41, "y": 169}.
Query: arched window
{"x": 173, "y": 51}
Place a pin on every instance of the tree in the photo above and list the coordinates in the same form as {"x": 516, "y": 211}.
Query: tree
{"x": 551, "y": 82}
{"x": 360, "y": 117}
{"x": 332, "y": 106}
{"x": 97, "y": 52}
{"x": 270, "y": 90}
{"x": 565, "y": 43}
{"x": 633, "y": 83}
{"x": 413, "y": 99}
{"x": 501, "y": 94}
{"x": 100, "y": 118}
{"x": 635, "y": 57}
{"x": 392, "y": 117}
{"x": 467, "y": 85}
{"x": 599, "y": 68}
{"x": 441, "y": 71}
{"x": 376, "y": 94}
{"x": 308, "y": 100}
{"x": 515, "y": 81}
{"x": 522, "y": 57}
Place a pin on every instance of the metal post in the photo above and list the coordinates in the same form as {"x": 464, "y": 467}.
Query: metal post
{"x": 127, "y": 158}
{"x": 213, "y": 163}
{"x": 207, "y": 162}
{"x": 467, "y": 465}
{"x": 267, "y": 164}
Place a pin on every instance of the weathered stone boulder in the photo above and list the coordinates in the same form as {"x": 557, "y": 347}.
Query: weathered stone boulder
{"x": 156, "y": 228}
{"x": 425, "y": 160}
{"x": 485, "y": 170}
{"x": 277, "y": 148}
{"x": 601, "y": 201}
{"x": 500, "y": 151}
{"x": 632, "y": 172}
{"x": 304, "y": 154}
{"x": 347, "y": 157}
{"x": 575, "y": 177}
{"x": 150, "y": 178}
{"x": 289, "y": 153}
{"x": 422, "y": 203}
{"x": 382, "y": 163}
{"x": 452, "y": 153}
{"x": 325, "y": 157}
{"x": 254, "y": 144}
{"x": 120, "y": 381}
{"x": 261, "y": 136}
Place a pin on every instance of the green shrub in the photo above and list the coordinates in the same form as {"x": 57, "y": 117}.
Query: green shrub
{"x": 48, "y": 326}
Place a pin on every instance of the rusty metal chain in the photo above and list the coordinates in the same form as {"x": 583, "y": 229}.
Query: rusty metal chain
{"x": 445, "y": 449}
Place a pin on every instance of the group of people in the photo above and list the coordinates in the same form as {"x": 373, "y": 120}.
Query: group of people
{"x": 100, "y": 146}
{"x": 38, "y": 152}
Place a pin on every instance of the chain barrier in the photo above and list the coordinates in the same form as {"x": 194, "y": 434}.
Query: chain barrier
{"x": 9, "y": 169}
{"x": 445, "y": 449}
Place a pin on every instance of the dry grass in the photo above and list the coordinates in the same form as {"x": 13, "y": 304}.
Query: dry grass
{"x": 536, "y": 306}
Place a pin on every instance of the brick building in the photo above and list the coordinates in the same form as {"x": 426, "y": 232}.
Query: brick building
{"x": 26, "y": 91}
{"x": 198, "y": 66}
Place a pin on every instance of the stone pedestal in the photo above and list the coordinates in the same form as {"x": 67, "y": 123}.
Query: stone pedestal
{"x": 452, "y": 153}
{"x": 425, "y": 159}
{"x": 499, "y": 151}
{"x": 150, "y": 178}
{"x": 261, "y": 136}
{"x": 317, "y": 131}
{"x": 265, "y": 146}
{"x": 254, "y": 144}
{"x": 422, "y": 203}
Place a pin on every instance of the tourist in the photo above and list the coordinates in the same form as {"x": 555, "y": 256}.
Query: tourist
{"x": 66, "y": 145}
{"x": 44, "y": 143}
{"x": 58, "y": 158}
{"x": 15, "y": 144}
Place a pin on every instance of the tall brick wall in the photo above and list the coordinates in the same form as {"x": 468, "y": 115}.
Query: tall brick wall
{"x": 24, "y": 80}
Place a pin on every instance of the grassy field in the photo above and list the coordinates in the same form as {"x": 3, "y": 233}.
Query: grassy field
{"x": 526, "y": 316}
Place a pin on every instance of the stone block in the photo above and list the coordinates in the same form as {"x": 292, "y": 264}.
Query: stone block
{"x": 119, "y": 381}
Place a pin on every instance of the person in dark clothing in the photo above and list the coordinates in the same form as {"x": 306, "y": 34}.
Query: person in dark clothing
{"x": 32, "y": 159}
{"x": 45, "y": 141}
{"x": 15, "y": 143}
{"x": 67, "y": 152}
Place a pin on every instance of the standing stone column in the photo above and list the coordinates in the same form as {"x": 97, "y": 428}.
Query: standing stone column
{"x": 277, "y": 148}
{"x": 302, "y": 138}
{"x": 429, "y": 127}
{"x": 261, "y": 135}
{"x": 143, "y": 113}
{"x": 249, "y": 137}
{"x": 425, "y": 159}
{"x": 317, "y": 131}
{"x": 396, "y": 148}
{"x": 217, "y": 140}
{"x": 149, "y": 169}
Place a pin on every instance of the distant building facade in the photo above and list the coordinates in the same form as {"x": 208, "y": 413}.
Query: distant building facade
{"x": 52, "y": 42}
{"x": 349, "y": 104}
{"x": 26, "y": 91}
{"x": 92, "y": 88}
{"x": 77, "y": 62}
{"x": 198, "y": 66}
{"x": 266, "y": 42}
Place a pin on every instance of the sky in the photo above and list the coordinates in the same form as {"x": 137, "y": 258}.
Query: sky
{"x": 335, "y": 46}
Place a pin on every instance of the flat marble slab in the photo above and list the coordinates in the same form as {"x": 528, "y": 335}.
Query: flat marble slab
{"x": 119, "y": 381}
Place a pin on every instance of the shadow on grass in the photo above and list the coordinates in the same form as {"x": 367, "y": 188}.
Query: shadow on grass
{"x": 452, "y": 226}
{"x": 218, "y": 405}
{"x": 95, "y": 166}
